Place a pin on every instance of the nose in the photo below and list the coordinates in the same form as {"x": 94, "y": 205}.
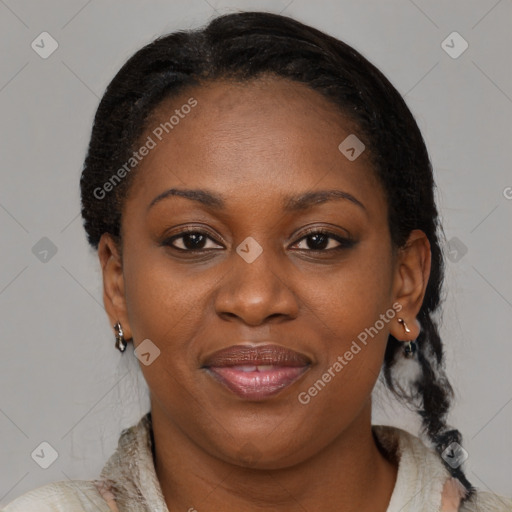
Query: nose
{"x": 256, "y": 292}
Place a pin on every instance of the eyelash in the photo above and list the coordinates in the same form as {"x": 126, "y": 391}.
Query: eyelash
{"x": 345, "y": 243}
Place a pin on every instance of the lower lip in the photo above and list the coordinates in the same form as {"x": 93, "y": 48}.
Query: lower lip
{"x": 256, "y": 385}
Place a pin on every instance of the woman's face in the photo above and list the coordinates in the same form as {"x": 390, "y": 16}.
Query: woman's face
{"x": 253, "y": 272}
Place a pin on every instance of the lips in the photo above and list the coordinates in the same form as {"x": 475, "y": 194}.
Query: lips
{"x": 256, "y": 372}
{"x": 275, "y": 355}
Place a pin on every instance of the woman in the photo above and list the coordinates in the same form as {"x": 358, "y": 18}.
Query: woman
{"x": 262, "y": 203}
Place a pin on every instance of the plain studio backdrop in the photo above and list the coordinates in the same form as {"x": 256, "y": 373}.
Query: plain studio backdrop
{"x": 64, "y": 383}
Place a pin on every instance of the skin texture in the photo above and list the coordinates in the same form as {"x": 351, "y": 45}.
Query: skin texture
{"x": 256, "y": 143}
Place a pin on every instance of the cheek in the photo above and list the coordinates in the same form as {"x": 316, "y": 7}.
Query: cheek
{"x": 352, "y": 308}
{"x": 161, "y": 300}
{"x": 352, "y": 296}
{"x": 162, "y": 306}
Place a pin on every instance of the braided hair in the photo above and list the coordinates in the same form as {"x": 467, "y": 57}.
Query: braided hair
{"x": 246, "y": 45}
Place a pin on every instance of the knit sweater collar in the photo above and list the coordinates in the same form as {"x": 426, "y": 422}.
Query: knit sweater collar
{"x": 130, "y": 472}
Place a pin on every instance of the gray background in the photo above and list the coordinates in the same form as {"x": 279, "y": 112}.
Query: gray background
{"x": 63, "y": 382}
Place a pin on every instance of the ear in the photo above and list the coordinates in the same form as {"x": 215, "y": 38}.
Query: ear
{"x": 113, "y": 283}
{"x": 412, "y": 272}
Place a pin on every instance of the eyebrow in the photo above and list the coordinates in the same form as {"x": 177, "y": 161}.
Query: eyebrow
{"x": 294, "y": 203}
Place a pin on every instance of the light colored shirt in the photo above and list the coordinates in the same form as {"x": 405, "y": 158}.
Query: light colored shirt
{"x": 128, "y": 481}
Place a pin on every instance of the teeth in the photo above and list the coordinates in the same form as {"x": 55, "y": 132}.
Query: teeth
{"x": 253, "y": 368}
{"x": 265, "y": 367}
{"x": 245, "y": 368}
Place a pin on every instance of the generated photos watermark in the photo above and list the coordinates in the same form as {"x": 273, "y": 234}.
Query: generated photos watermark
{"x": 157, "y": 135}
{"x": 305, "y": 397}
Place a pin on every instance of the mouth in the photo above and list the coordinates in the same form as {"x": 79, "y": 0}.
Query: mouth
{"x": 256, "y": 372}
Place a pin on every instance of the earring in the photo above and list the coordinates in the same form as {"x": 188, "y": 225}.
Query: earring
{"x": 410, "y": 346}
{"x": 120, "y": 341}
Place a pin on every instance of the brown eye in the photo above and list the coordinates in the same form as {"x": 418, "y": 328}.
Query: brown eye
{"x": 189, "y": 241}
{"x": 323, "y": 241}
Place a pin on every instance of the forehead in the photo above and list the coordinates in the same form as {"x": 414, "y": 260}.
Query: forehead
{"x": 269, "y": 134}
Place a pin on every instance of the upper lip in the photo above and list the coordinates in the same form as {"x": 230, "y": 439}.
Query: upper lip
{"x": 268, "y": 354}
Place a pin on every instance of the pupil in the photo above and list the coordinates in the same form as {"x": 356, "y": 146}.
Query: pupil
{"x": 323, "y": 241}
{"x": 195, "y": 238}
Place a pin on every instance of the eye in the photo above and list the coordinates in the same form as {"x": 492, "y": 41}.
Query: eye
{"x": 190, "y": 240}
{"x": 320, "y": 240}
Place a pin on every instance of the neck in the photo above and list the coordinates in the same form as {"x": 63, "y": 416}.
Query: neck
{"x": 337, "y": 478}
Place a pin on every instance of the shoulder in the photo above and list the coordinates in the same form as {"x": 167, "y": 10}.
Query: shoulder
{"x": 64, "y": 496}
{"x": 483, "y": 501}
{"x": 422, "y": 475}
